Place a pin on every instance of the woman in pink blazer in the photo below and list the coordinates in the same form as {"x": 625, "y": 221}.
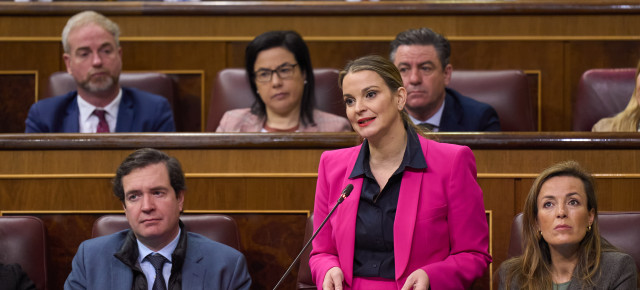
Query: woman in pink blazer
{"x": 415, "y": 218}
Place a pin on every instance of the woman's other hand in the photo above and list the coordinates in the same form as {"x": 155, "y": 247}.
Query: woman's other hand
{"x": 418, "y": 280}
{"x": 333, "y": 279}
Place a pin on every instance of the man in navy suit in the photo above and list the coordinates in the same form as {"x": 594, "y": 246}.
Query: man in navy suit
{"x": 422, "y": 56}
{"x": 93, "y": 56}
{"x": 157, "y": 252}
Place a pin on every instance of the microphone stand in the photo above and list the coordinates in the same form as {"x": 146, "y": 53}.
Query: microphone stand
{"x": 344, "y": 195}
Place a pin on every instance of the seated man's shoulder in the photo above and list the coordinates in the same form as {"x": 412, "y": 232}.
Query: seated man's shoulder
{"x": 472, "y": 103}
{"x": 201, "y": 243}
{"x": 105, "y": 242}
{"x": 141, "y": 95}
{"x": 57, "y": 100}
{"x": 478, "y": 116}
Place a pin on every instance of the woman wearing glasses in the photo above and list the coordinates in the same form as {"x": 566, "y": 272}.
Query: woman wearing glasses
{"x": 281, "y": 77}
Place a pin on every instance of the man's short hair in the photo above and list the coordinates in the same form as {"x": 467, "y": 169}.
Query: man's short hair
{"x": 423, "y": 36}
{"x": 142, "y": 158}
{"x": 89, "y": 17}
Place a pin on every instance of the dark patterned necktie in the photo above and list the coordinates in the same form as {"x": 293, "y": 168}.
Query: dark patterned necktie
{"x": 103, "y": 126}
{"x": 427, "y": 126}
{"x": 157, "y": 261}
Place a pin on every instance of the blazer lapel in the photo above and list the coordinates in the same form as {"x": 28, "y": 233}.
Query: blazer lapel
{"x": 121, "y": 275}
{"x": 193, "y": 271}
{"x": 406, "y": 213}
{"x": 451, "y": 115}
{"x": 405, "y": 221}
{"x": 70, "y": 123}
{"x": 345, "y": 221}
{"x": 125, "y": 113}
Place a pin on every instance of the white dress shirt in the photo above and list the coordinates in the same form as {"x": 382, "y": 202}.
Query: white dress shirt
{"x": 89, "y": 122}
{"x": 434, "y": 120}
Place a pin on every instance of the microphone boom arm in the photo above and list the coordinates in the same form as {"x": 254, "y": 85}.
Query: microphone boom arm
{"x": 347, "y": 190}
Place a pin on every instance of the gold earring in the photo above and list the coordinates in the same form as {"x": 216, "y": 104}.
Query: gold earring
{"x": 589, "y": 228}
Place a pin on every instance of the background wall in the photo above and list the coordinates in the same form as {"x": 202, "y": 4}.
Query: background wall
{"x": 553, "y": 41}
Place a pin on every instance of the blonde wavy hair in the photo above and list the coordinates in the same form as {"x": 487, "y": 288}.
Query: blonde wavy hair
{"x": 627, "y": 120}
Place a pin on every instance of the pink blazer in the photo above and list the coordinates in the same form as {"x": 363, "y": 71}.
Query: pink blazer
{"x": 241, "y": 120}
{"x": 440, "y": 223}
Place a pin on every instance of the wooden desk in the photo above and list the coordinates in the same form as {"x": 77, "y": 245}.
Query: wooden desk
{"x": 267, "y": 181}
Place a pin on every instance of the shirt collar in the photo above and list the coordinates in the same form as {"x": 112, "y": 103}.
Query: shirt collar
{"x": 166, "y": 251}
{"x": 87, "y": 109}
{"x": 434, "y": 120}
{"x": 413, "y": 156}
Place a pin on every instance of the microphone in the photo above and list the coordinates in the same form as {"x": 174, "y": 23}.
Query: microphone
{"x": 345, "y": 192}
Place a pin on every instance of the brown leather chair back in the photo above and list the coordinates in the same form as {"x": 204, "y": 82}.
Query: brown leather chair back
{"x": 601, "y": 93}
{"x": 160, "y": 84}
{"x": 507, "y": 91}
{"x": 231, "y": 90}
{"x": 23, "y": 241}
{"x": 304, "y": 271}
{"x": 622, "y": 229}
{"x": 217, "y": 227}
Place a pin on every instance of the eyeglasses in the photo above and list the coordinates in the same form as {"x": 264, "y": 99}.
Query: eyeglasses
{"x": 284, "y": 71}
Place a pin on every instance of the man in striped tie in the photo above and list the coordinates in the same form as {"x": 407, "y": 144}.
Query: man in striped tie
{"x": 157, "y": 252}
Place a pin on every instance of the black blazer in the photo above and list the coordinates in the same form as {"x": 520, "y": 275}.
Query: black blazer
{"x": 13, "y": 278}
{"x": 462, "y": 113}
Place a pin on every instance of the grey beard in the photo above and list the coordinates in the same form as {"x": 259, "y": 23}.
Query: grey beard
{"x": 98, "y": 87}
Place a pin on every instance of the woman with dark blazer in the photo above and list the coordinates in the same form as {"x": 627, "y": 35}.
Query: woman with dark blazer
{"x": 562, "y": 244}
{"x": 415, "y": 218}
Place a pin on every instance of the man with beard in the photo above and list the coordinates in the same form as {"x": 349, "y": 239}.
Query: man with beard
{"x": 422, "y": 57}
{"x": 93, "y": 56}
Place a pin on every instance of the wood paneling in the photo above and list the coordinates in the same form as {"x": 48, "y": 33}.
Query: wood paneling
{"x": 560, "y": 39}
{"x": 18, "y": 91}
{"x": 42, "y": 57}
{"x": 205, "y": 57}
{"x": 277, "y": 172}
{"x": 502, "y": 208}
{"x": 190, "y": 98}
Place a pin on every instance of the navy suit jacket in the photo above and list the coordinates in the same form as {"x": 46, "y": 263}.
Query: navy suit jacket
{"x": 207, "y": 265}
{"x": 139, "y": 112}
{"x": 462, "y": 113}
